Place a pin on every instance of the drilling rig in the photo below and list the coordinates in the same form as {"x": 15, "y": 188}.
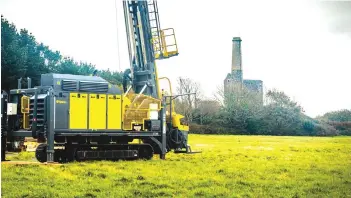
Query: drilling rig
{"x": 76, "y": 117}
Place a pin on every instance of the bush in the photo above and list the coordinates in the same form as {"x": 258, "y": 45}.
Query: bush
{"x": 337, "y": 116}
{"x": 325, "y": 129}
{"x": 211, "y": 129}
{"x": 343, "y": 127}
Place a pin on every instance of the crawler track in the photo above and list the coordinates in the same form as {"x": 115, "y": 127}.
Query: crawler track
{"x": 96, "y": 152}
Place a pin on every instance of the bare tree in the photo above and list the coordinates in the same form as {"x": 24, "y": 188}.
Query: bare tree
{"x": 206, "y": 111}
{"x": 186, "y": 104}
{"x": 229, "y": 98}
{"x": 239, "y": 106}
{"x": 219, "y": 95}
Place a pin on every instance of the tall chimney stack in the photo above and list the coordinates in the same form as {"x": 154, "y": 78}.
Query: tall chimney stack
{"x": 236, "y": 60}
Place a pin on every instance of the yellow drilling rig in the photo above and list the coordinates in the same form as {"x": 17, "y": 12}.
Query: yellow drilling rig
{"x": 76, "y": 117}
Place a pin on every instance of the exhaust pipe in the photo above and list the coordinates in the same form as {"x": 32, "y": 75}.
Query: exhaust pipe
{"x": 29, "y": 82}
{"x": 19, "y": 83}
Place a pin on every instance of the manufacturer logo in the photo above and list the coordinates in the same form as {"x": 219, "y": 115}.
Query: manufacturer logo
{"x": 61, "y": 102}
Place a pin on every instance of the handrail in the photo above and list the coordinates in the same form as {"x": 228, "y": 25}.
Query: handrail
{"x": 141, "y": 92}
{"x": 130, "y": 87}
{"x": 170, "y": 89}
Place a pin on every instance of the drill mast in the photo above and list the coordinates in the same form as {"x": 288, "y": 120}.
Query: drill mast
{"x": 146, "y": 43}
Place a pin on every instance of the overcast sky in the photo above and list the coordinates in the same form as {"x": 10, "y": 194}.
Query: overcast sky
{"x": 300, "y": 47}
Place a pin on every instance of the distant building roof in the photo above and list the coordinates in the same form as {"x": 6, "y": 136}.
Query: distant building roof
{"x": 236, "y": 39}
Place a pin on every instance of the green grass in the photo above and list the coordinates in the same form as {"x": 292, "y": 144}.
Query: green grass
{"x": 230, "y": 166}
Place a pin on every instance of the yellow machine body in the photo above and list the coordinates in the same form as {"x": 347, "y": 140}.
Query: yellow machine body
{"x": 176, "y": 122}
{"x": 78, "y": 111}
{"x": 114, "y": 112}
{"x": 135, "y": 109}
{"x": 97, "y": 111}
{"x": 176, "y": 118}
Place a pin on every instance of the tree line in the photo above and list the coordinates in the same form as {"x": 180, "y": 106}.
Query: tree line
{"x": 22, "y": 56}
{"x": 225, "y": 113}
{"x": 231, "y": 113}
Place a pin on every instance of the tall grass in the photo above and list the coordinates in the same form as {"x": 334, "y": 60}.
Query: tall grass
{"x": 230, "y": 166}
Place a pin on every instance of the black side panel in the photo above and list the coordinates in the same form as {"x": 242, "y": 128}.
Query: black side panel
{"x": 3, "y": 108}
{"x": 99, "y": 87}
{"x": 69, "y": 85}
{"x": 61, "y": 111}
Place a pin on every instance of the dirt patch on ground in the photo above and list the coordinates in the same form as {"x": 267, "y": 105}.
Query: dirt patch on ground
{"x": 27, "y": 162}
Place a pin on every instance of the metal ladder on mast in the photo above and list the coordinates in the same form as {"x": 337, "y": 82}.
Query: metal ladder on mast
{"x": 164, "y": 42}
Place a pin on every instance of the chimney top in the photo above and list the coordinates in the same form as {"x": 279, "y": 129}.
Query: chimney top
{"x": 236, "y": 39}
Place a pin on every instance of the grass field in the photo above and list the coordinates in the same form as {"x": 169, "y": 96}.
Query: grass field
{"x": 230, "y": 166}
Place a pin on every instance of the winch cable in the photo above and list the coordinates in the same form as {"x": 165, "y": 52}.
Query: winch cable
{"x": 118, "y": 52}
